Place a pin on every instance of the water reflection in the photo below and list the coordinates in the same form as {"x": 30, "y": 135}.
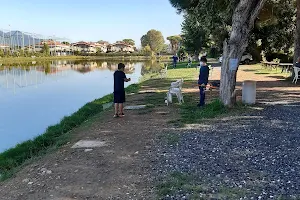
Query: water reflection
{"x": 38, "y": 94}
{"x": 16, "y": 76}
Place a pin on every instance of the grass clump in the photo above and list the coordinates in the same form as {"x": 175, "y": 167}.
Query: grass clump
{"x": 191, "y": 114}
{"x": 183, "y": 183}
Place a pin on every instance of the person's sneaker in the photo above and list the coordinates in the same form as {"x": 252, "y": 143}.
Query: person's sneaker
{"x": 200, "y": 106}
{"x": 116, "y": 116}
{"x": 122, "y": 115}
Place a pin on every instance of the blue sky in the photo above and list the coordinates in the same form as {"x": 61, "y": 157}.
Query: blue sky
{"x": 91, "y": 20}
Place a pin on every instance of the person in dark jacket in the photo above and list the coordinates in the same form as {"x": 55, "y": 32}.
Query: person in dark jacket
{"x": 175, "y": 60}
{"x": 203, "y": 80}
{"x": 119, "y": 90}
{"x": 297, "y": 64}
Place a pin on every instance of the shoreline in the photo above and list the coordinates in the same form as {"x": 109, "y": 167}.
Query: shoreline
{"x": 55, "y": 136}
{"x": 106, "y": 57}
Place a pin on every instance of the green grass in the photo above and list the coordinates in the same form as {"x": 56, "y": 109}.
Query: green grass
{"x": 264, "y": 70}
{"x": 184, "y": 65}
{"x": 117, "y": 57}
{"x": 8, "y": 60}
{"x": 187, "y": 183}
{"x": 54, "y": 137}
{"x": 190, "y": 114}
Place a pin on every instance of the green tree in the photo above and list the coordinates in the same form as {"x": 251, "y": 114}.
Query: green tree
{"x": 102, "y": 41}
{"x": 273, "y": 33}
{"x": 165, "y": 49}
{"x": 147, "y": 50}
{"x": 175, "y": 42}
{"x": 46, "y": 50}
{"x": 154, "y": 39}
{"x": 66, "y": 43}
{"x": 242, "y": 14}
{"x": 2, "y": 53}
{"x": 194, "y": 35}
{"x": 129, "y": 41}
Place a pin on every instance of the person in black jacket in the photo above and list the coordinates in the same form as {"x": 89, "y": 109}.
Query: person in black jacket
{"x": 297, "y": 64}
{"x": 119, "y": 90}
{"x": 203, "y": 80}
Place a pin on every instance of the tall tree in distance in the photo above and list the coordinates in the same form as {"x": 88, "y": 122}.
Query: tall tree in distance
{"x": 194, "y": 35}
{"x": 46, "y": 49}
{"x": 66, "y": 43}
{"x": 102, "y": 41}
{"x": 129, "y": 41}
{"x": 174, "y": 41}
{"x": 154, "y": 39}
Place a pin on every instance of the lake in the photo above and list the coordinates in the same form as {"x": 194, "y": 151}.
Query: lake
{"x": 34, "y": 96}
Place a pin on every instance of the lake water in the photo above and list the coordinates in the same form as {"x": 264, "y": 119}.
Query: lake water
{"x": 34, "y": 96}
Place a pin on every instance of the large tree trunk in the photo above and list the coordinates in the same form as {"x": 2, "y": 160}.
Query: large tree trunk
{"x": 243, "y": 20}
{"x": 297, "y": 36}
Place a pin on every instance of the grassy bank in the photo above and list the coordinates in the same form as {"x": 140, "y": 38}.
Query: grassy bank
{"x": 58, "y": 135}
{"x": 54, "y": 137}
{"x": 189, "y": 112}
{"x": 5, "y": 60}
{"x": 127, "y": 57}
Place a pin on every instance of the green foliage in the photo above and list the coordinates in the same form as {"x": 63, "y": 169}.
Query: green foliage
{"x": 275, "y": 29}
{"x": 194, "y": 35}
{"x": 147, "y": 51}
{"x": 46, "y": 50}
{"x": 154, "y": 39}
{"x": 211, "y": 110}
{"x": 165, "y": 49}
{"x": 182, "y": 51}
{"x": 208, "y": 23}
{"x": 66, "y": 43}
{"x": 2, "y": 53}
{"x": 174, "y": 41}
{"x": 129, "y": 41}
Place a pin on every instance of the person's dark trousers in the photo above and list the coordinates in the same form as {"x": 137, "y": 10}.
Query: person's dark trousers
{"x": 202, "y": 96}
{"x": 174, "y": 65}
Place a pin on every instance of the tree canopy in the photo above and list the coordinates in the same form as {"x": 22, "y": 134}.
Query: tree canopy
{"x": 208, "y": 24}
{"x": 174, "y": 41}
{"x": 129, "y": 41}
{"x": 154, "y": 39}
{"x": 66, "y": 43}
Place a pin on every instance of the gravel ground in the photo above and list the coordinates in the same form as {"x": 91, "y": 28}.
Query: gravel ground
{"x": 255, "y": 156}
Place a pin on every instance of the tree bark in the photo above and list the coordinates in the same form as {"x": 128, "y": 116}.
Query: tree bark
{"x": 243, "y": 20}
{"x": 297, "y": 36}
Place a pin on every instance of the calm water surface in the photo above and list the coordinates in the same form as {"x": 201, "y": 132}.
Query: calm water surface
{"x": 36, "y": 95}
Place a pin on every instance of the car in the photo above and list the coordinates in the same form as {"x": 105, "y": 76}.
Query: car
{"x": 246, "y": 58}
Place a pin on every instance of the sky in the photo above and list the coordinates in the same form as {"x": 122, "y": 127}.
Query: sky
{"x": 91, "y": 20}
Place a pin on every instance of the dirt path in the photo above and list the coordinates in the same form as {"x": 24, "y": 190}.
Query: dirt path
{"x": 123, "y": 168}
{"x": 120, "y": 170}
{"x": 250, "y": 156}
{"x": 271, "y": 88}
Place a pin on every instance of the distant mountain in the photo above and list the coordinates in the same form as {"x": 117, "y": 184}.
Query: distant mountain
{"x": 17, "y": 38}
